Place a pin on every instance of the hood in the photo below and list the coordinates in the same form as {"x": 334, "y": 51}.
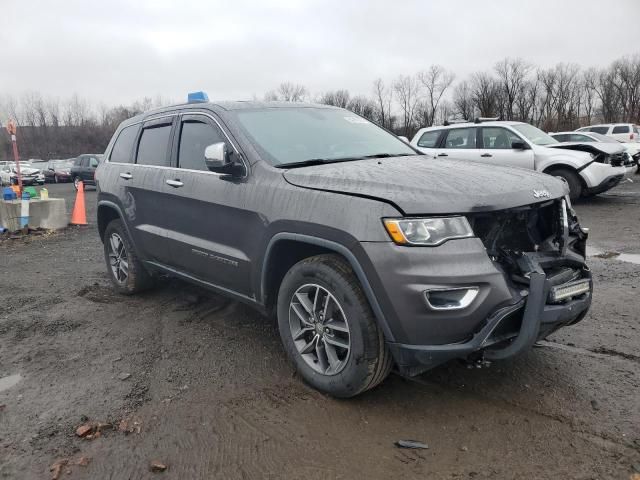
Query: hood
{"x": 424, "y": 185}
{"x": 26, "y": 170}
{"x": 590, "y": 147}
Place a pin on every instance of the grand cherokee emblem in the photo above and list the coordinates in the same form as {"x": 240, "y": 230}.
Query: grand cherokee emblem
{"x": 541, "y": 194}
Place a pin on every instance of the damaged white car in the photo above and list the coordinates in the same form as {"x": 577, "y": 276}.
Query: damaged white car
{"x": 587, "y": 170}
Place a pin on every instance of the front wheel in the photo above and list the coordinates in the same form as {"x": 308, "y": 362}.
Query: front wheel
{"x": 126, "y": 271}
{"x": 572, "y": 179}
{"x": 328, "y": 329}
{"x": 76, "y": 182}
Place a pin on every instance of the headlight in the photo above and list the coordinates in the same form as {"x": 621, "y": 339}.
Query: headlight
{"x": 427, "y": 231}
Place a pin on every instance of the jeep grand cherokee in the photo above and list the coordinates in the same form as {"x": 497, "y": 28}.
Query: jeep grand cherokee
{"x": 370, "y": 255}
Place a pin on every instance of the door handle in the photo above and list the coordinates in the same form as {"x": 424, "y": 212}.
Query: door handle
{"x": 486, "y": 155}
{"x": 126, "y": 176}
{"x": 175, "y": 183}
{"x": 443, "y": 155}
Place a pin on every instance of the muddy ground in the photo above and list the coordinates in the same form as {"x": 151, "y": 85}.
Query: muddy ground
{"x": 203, "y": 386}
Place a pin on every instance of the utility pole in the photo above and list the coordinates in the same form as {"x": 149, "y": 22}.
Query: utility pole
{"x": 12, "y": 129}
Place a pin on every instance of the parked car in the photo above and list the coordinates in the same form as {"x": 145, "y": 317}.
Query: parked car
{"x": 624, "y": 132}
{"x": 633, "y": 149}
{"x": 30, "y": 174}
{"x": 58, "y": 171}
{"x": 84, "y": 168}
{"x": 369, "y": 254}
{"x": 522, "y": 145}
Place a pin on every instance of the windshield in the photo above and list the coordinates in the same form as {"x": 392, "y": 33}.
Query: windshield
{"x": 603, "y": 138}
{"x": 535, "y": 135}
{"x": 292, "y": 135}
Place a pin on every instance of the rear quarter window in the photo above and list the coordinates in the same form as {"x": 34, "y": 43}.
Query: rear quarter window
{"x": 602, "y": 130}
{"x": 122, "y": 151}
{"x": 429, "y": 139}
{"x": 621, "y": 129}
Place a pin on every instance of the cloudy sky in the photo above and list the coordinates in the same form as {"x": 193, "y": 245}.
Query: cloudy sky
{"x": 121, "y": 50}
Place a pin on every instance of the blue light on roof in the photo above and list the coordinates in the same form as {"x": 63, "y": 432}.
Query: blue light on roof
{"x": 197, "y": 97}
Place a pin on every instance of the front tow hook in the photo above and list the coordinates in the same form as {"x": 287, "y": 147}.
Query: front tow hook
{"x": 536, "y": 300}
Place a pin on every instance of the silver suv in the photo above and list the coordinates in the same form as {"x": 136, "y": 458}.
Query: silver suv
{"x": 521, "y": 145}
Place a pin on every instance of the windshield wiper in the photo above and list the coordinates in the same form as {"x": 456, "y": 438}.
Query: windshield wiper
{"x": 308, "y": 163}
{"x": 322, "y": 161}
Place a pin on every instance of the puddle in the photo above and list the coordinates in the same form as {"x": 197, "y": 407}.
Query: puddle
{"x": 608, "y": 254}
{"x": 11, "y": 381}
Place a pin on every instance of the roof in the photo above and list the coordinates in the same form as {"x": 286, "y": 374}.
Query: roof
{"x": 223, "y": 105}
{"x": 493, "y": 123}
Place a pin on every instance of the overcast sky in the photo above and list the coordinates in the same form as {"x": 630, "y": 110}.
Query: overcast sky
{"x": 119, "y": 51}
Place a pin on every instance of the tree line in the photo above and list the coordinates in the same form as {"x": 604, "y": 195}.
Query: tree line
{"x": 562, "y": 97}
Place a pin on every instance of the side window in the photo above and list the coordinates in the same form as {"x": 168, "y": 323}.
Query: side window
{"x": 85, "y": 162}
{"x": 498, "y": 138}
{"x": 429, "y": 139}
{"x": 461, "y": 138}
{"x": 153, "y": 148}
{"x": 194, "y": 138}
{"x": 621, "y": 129}
{"x": 576, "y": 137}
{"x": 77, "y": 162}
{"x": 93, "y": 162}
{"x": 123, "y": 148}
{"x": 601, "y": 130}
{"x": 561, "y": 137}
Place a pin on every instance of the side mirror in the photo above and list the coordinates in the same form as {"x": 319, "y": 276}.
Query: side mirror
{"x": 217, "y": 157}
{"x": 519, "y": 146}
{"x": 403, "y": 138}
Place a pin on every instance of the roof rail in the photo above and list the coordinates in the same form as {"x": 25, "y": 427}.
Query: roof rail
{"x": 452, "y": 122}
{"x": 486, "y": 119}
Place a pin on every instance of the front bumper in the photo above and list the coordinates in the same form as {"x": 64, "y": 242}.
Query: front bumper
{"x": 606, "y": 184}
{"x": 424, "y": 338}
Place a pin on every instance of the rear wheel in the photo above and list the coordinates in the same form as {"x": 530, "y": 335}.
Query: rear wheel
{"x": 126, "y": 271}
{"x": 76, "y": 182}
{"x": 572, "y": 179}
{"x": 328, "y": 329}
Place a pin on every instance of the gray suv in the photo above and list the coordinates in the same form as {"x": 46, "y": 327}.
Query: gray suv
{"x": 371, "y": 255}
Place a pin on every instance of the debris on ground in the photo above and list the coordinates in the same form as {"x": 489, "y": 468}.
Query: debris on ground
{"x": 124, "y": 376}
{"x": 129, "y": 426}
{"x": 92, "y": 430}
{"x": 607, "y": 254}
{"x": 157, "y": 467}
{"x": 2, "y": 407}
{"x": 411, "y": 444}
{"x": 464, "y": 448}
{"x": 57, "y": 468}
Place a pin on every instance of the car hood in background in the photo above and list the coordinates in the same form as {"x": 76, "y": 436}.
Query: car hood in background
{"x": 590, "y": 147}
{"x": 27, "y": 171}
{"x": 420, "y": 185}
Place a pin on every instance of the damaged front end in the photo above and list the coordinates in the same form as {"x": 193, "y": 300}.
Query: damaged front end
{"x": 541, "y": 251}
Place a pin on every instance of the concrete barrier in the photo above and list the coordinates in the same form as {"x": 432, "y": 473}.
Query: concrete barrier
{"x": 50, "y": 214}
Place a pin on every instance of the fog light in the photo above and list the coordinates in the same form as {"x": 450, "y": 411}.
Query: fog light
{"x": 568, "y": 290}
{"x": 450, "y": 298}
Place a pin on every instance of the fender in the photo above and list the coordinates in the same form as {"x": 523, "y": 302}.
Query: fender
{"x": 116, "y": 207}
{"x": 345, "y": 252}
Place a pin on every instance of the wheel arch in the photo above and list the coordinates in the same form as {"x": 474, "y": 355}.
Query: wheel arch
{"x": 563, "y": 166}
{"x": 108, "y": 211}
{"x": 286, "y": 249}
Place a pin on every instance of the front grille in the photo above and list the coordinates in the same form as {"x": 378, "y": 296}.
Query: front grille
{"x": 524, "y": 229}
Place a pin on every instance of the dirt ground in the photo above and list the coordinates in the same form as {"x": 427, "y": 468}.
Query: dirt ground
{"x": 201, "y": 384}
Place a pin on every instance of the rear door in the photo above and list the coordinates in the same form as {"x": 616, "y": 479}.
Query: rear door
{"x": 142, "y": 183}
{"x": 459, "y": 143}
{"x": 210, "y": 232}
{"x": 495, "y": 143}
{"x": 429, "y": 141}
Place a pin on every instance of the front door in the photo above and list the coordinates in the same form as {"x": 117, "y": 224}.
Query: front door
{"x": 208, "y": 227}
{"x": 496, "y": 148}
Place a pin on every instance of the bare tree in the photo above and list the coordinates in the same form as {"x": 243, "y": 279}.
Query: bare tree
{"x": 287, "y": 92}
{"x": 435, "y": 81}
{"x": 463, "y": 100}
{"x": 407, "y": 89}
{"x": 512, "y": 74}
{"x": 362, "y": 106}
{"x": 337, "y": 98}
{"x": 484, "y": 93}
{"x": 383, "y": 97}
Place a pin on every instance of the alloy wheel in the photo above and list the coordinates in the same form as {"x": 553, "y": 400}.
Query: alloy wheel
{"x": 319, "y": 329}
{"x": 118, "y": 259}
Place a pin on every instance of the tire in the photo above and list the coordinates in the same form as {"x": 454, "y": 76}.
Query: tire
{"x": 56, "y": 179}
{"x": 572, "y": 178}
{"x": 366, "y": 362}
{"x": 132, "y": 279}
{"x": 75, "y": 181}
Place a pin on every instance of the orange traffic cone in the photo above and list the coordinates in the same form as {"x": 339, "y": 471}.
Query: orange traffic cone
{"x": 79, "y": 214}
